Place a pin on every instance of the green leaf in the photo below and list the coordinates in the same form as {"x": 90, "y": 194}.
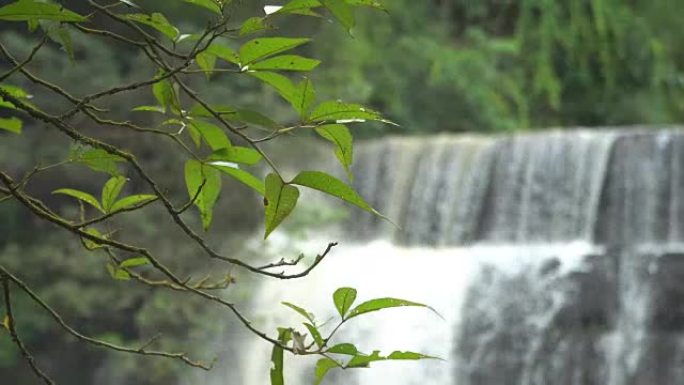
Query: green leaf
{"x": 208, "y": 178}
{"x": 206, "y": 62}
{"x": 315, "y": 334}
{"x": 342, "y": 11}
{"x": 340, "y": 112}
{"x": 89, "y": 244}
{"x": 253, "y": 24}
{"x": 111, "y": 191}
{"x": 27, "y": 10}
{"x": 164, "y": 93}
{"x": 251, "y": 117}
{"x": 59, "y": 33}
{"x": 33, "y": 25}
{"x": 131, "y": 201}
{"x": 223, "y": 52}
{"x": 397, "y": 355}
{"x": 97, "y": 160}
{"x": 194, "y": 135}
{"x": 363, "y": 361}
{"x": 134, "y": 262}
{"x": 283, "y": 85}
{"x": 307, "y": 96}
{"x": 199, "y": 110}
{"x": 212, "y": 5}
{"x": 237, "y": 154}
{"x": 264, "y": 47}
{"x": 80, "y": 195}
{"x": 300, "y": 97}
{"x": 304, "y": 313}
{"x": 343, "y": 298}
{"x": 300, "y": 7}
{"x": 15, "y": 92}
{"x": 330, "y": 185}
{"x": 277, "y": 359}
{"x": 11, "y": 124}
{"x": 243, "y": 177}
{"x": 280, "y": 199}
{"x": 340, "y": 136}
{"x": 158, "y": 109}
{"x": 286, "y": 63}
{"x": 117, "y": 273}
{"x": 382, "y": 303}
{"x": 156, "y": 21}
{"x": 322, "y": 367}
{"x": 345, "y": 348}
{"x": 215, "y": 137}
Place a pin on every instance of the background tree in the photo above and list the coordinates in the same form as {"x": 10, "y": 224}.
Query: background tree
{"x": 490, "y": 66}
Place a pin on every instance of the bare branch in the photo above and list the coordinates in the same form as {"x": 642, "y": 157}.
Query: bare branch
{"x": 19, "y": 66}
{"x": 94, "y": 341}
{"x": 193, "y": 199}
{"x": 45, "y": 83}
{"x": 39, "y": 209}
{"x": 10, "y": 324}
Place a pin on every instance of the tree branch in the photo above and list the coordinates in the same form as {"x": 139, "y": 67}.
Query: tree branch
{"x": 10, "y": 324}
{"x": 94, "y": 341}
{"x": 19, "y": 66}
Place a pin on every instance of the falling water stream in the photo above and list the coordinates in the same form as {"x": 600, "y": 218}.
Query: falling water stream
{"x": 554, "y": 258}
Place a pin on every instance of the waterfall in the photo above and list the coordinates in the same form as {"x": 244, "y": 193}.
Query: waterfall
{"x": 554, "y": 257}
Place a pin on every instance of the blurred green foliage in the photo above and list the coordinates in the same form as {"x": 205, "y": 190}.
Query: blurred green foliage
{"x": 499, "y": 65}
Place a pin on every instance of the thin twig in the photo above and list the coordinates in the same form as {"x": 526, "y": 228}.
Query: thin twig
{"x": 28, "y": 59}
{"x": 45, "y": 83}
{"x": 11, "y": 327}
{"x": 104, "y": 217}
{"x": 94, "y": 341}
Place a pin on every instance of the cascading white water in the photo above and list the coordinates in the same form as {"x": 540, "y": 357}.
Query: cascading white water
{"x": 439, "y": 277}
{"x": 556, "y": 258}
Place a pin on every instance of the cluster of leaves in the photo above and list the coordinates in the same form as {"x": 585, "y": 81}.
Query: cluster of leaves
{"x": 214, "y": 140}
{"x": 260, "y": 58}
{"x": 343, "y": 299}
